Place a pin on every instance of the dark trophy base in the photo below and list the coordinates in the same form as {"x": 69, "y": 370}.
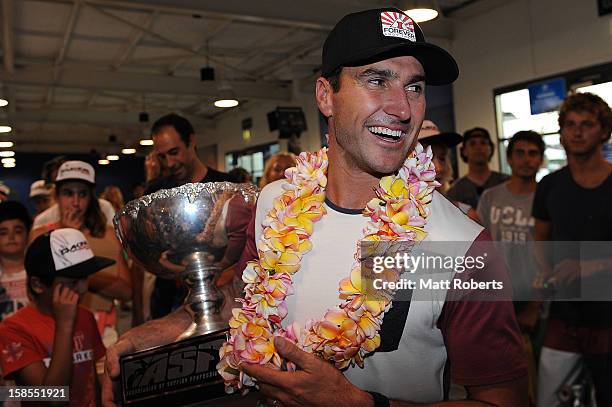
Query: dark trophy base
{"x": 178, "y": 374}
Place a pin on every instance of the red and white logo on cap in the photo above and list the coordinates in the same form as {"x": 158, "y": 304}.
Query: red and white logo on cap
{"x": 396, "y": 24}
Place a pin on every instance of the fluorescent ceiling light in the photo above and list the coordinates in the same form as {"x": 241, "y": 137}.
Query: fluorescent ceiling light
{"x": 146, "y": 142}
{"x": 226, "y": 103}
{"x": 103, "y": 161}
{"x": 11, "y": 165}
{"x": 6, "y": 144}
{"x": 5, "y": 129}
{"x": 7, "y": 153}
{"x": 422, "y": 14}
{"x": 8, "y": 160}
{"x": 128, "y": 151}
{"x": 3, "y": 102}
{"x": 112, "y": 157}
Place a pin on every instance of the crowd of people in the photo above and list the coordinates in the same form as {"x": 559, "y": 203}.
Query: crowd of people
{"x": 72, "y": 300}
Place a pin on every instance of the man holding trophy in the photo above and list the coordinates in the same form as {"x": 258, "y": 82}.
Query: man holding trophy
{"x": 304, "y": 333}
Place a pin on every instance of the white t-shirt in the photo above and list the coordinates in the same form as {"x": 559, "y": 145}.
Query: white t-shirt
{"x": 52, "y": 215}
{"x": 13, "y": 292}
{"x": 415, "y": 370}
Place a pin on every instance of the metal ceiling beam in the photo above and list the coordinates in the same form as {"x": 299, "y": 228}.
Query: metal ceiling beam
{"x": 170, "y": 41}
{"x": 257, "y": 17}
{"x": 141, "y": 83}
{"x": 209, "y": 35}
{"x": 124, "y": 120}
{"x": 74, "y": 12}
{"x": 134, "y": 39}
{"x": 7, "y": 36}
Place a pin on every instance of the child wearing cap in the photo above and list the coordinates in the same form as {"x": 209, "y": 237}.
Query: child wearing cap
{"x": 53, "y": 341}
{"x": 40, "y": 196}
{"x": 79, "y": 209}
{"x": 15, "y": 225}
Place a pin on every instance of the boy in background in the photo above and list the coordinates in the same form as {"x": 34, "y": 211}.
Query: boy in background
{"x": 53, "y": 341}
{"x": 15, "y": 224}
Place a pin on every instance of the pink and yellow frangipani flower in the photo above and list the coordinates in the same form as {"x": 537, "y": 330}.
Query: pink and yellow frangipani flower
{"x": 287, "y": 262}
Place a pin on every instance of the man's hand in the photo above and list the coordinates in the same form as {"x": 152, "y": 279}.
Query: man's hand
{"x": 64, "y": 304}
{"x": 111, "y": 370}
{"x": 316, "y": 383}
{"x": 567, "y": 271}
{"x": 168, "y": 265}
{"x": 71, "y": 218}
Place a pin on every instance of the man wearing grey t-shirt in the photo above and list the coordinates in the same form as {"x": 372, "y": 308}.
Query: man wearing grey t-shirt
{"x": 505, "y": 210}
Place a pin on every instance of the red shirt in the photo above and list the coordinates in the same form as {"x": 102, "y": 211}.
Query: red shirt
{"x": 26, "y": 337}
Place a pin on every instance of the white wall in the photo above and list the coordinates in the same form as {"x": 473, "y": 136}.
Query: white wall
{"x": 228, "y": 133}
{"x": 519, "y": 41}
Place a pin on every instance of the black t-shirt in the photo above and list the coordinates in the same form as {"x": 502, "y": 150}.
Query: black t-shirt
{"x": 464, "y": 190}
{"x": 575, "y": 214}
{"x": 168, "y": 295}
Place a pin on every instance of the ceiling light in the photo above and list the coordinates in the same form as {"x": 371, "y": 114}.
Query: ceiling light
{"x": 7, "y": 153}
{"x": 6, "y": 144}
{"x": 112, "y": 157}
{"x": 226, "y": 103}
{"x": 128, "y": 151}
{"x": 421, "y": 10}
{"x": 3, "y": 102}
{"x": 146, "y": 142}
{"x": 422, "y": 14}
{"x": 10, "y": 165}
{"x": 103, "y": 161}
{"x": 226, "y": 98}
{"x": 5, "y": 129}
{"x": 9, "y": 160}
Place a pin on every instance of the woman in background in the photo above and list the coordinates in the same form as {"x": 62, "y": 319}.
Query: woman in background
{"x": 275, "y": 168}
{"x": 113, "y": 195}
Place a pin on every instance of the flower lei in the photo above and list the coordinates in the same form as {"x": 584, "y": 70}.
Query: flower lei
{"x": 350, "y": 330}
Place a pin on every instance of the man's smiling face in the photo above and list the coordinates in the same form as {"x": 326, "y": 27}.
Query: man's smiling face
{"x": 376, "y": 114}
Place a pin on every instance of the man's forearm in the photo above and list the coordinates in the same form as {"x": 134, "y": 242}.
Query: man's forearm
{"x": 158, "y": 331}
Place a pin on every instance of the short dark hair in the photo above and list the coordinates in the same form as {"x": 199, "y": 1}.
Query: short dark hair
{"x": 11, "y": 210}
{"x": 334, "y": 78}
{"x": 529, "y": 136}
{"x": 179, "y": 123}
{"x": 473, "y": 133}
{"x": 587, "y": 102}
{"x": 50, "y": 168}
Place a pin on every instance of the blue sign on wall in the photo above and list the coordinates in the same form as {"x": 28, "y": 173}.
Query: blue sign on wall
{"x": 546, "y": 96}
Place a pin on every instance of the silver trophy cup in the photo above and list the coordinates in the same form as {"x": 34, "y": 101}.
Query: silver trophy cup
{"x": 173, "y": 233}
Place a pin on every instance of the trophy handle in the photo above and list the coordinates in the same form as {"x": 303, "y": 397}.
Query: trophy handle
{"x": 205, "y": 300}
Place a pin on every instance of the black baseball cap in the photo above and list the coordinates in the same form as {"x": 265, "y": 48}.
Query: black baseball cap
{"x": 476, "y": 132}
{"x": 374, "y": 35}
{"x": 431, "y": 134}
{"x": 63, "y": 253}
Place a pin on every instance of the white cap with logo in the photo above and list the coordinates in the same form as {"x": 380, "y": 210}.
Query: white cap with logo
{"x": 63, "y": 253}
{"x": 4, "y": 189}
{"x": 38, "y": 189}
{"x": 76, "y": 170}
{"x": 430, "y": 134}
